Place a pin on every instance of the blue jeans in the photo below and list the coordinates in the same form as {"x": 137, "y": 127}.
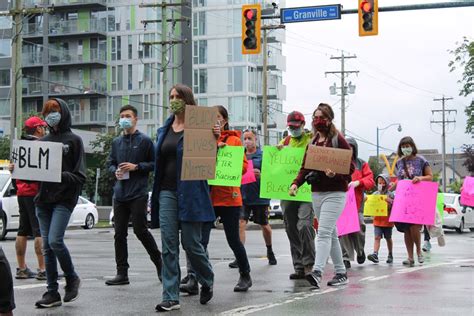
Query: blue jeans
{"x": 53, "y": 222}
{"x": 328, "y": 206}
{"x": 191, "y": 239}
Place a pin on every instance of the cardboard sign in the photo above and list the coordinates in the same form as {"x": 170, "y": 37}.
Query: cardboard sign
{"x": 322, "y": 158}
{"x": 415, "y": 203}
{"x": 348, "y": 222}
{"x": 467, "y": 194}
{"x": 376, "y": 205}
{"x": 37, "y": 161}
{"x": 279, "y": 169}
{"x": 230, "y": 161}
{"x": 200, "y": 145}
{"x": 249, "y": 176}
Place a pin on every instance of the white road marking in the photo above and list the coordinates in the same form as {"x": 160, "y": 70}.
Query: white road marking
{"x": 33, "y": 286}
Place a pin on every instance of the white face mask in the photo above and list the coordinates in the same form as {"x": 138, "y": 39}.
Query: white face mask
{"x": 407, "y": 151}
{"x": 295, "y": 132}
{"x": 380, "y": 187}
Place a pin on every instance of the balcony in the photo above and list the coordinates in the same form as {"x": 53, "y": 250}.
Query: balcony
{"x": 31, "y": 30}
{"x": 31, "y": 88}
{"x": 31, "y": 60}
{"x": 65, "y": 4}
{"x": 78, "y": 28}
{"x": 78, "y": 88}
{"x": 92, "y": 57}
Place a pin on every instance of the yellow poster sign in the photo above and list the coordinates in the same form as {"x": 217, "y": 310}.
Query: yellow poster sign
{"x": 376, "y": 205}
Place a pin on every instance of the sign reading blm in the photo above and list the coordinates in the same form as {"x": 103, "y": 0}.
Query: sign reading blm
{"x": 36, "y": 160}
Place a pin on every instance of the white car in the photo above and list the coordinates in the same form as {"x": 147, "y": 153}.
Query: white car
{"x": 275, "y": 210}
{"x": 456, "y": 215}
{"x": 85, "y": 213}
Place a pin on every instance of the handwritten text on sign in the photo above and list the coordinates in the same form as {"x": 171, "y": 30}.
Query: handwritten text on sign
{"x": 376, "y": 205}
{"x": 200, "y": 146}
{"x": 279, "y": 169}
{"x": 322, "y": 158}
{"x": 467, "y": 194}
{"x": 348, "y": 222}
{"x": 230, "y": 160}
{"x": 36, "y": 160}
{"x": 415, "y": 203}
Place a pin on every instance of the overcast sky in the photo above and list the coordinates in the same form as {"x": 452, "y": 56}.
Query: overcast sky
{"x": 401, "y": 71}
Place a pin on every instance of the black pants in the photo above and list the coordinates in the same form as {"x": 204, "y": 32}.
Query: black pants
{"x": 137, "y": 210}
{"x": 7, "y": 301}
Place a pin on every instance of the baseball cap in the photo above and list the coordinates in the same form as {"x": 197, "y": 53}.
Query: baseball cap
{"x": 34, "y": 121}
{"x": 295, "y": 119}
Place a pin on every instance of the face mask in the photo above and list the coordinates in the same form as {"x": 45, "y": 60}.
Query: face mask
{"x": 380, "y": 187}
{"x": 53, "y": 119}
{"x": 125, "y": 123}
{"x": 407, "y": 151}
{"x": 248, "y": 143}
{"x": 320, "y": 124}
{"x": 177, "y": 106}
{"x": 295, "y": 132}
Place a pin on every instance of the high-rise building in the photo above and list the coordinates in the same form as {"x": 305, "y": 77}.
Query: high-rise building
{"x": 5, "y": 69}
{"x": 222, "y": 75}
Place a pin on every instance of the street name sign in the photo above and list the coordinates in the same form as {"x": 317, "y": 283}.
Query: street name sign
{"x": 308, "y": 14}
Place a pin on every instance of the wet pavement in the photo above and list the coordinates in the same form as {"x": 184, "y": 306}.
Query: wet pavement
{"x": 443, "y": 285}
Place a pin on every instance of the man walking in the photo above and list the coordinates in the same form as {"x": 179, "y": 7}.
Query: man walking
{"x": 131, "y": 160}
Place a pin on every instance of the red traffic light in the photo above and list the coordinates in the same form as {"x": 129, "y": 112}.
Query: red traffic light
{"x": 366, "y": 6}
{"x": 249, "y": 14}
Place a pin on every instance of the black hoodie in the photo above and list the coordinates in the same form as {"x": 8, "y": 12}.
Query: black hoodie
{"x": 73, "y": 175}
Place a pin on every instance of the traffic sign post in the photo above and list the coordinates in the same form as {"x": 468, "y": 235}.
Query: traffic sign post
{"x": 307, "y": 14}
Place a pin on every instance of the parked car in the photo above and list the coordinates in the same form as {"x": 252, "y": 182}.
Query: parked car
{"x": 85, "y": 213}
{"x": 456, "y": 215}
{"x": 148, "y": 213}
{"x": 275, "y": 209}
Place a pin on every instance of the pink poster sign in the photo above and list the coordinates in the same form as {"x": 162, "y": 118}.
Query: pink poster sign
{"x": 415, "y": 203}
{"x": 467, "y": 194}
{"x": 348, "y": 222}
{"x": 249, "y": 176}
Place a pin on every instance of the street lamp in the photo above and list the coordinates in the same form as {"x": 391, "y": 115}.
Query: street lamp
{"x": 381, "y": 129}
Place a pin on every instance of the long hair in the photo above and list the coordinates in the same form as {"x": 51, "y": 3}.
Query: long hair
{"x": 185, "y": 93}
{"x": 327, "y": 111}
{"x": 223, "y": 111}
{"x": 407, "y": 140}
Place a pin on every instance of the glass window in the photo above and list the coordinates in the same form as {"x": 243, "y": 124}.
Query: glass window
{"x": 114, "y": 48}
{"x": 202, "y": 80}
{"x": 119, "y": 48}
{"x": 238, "y": 78}
{"x": 130, "y": 77}
{"x": 4, "y": 77}
{"x": 5, "y": 48}
{"x": 202, "y": 23}
{"x": 130, "y": 47}
{"x": 5, "y": 22}
{"x": 203, "y": 52}
{"x": 120, "y": 77}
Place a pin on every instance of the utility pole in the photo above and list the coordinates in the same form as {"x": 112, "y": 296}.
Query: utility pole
{"x": 164, "y": 43}
{"x": 444, "y": 121}
{"x": 265, "y": 28}
{"x": 343, "y": 87}
{"x": 18, "y": 14}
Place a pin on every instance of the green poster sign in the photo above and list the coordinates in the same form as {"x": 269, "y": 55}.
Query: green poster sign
{"x": 279, "y": 169}
{"x": 440, "y": 205}
{"x": 230, "y": 160}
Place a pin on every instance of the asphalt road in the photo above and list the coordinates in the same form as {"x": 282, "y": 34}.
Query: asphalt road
{"x": 443, "y": 285}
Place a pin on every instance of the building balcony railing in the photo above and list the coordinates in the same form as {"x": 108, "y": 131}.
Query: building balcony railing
{"x": 31, "y": 88}
{"x": 63, "y": 3}
{"x": 32, "y": 59}
{"x": 79, "y": 26}
{"x": 78, "y": 87}
{"x": 32, "y": 30}
{"x": 90, "y": 56}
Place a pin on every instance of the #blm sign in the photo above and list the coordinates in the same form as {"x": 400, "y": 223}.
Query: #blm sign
{"x": 37, "y": 161}
{"x": 321, "y": 158}
{"x": 200, "y": 146}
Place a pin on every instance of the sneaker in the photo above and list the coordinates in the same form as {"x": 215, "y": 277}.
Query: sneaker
{"x": 271, "y": 258}
{"x": 192, "y": 287}
{"x": 421, "y": 259}
{"x": 72, "y": 290}
{"x": 390, "y": 259}
{"x": 167, "y": 306}
{"x": 361, "y": 258}
{"x": 206, "y": 294}
{"x": 298, "y": 275}
{"x": 409, "y": 262}
{"x": 347, "y": 264}
{"x": 244, "y": 283}
{"x": 314, "y": 278}
{"x": 25, "y": 273}
{"x": 373, "y": 257}
{"x": 234, "y": 264}
{"x": 119, "y": 279}
{"x": 49, "y": 299}
{"x": 338, "y": 279}
{"x": 184, "y": 280}
{"x": 426, "y": 246}
{"x": 41, "y": 275}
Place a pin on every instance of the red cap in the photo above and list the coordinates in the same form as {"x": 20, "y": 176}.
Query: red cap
{"x": 295, "y": 119}
{"x": 34, "y": 122}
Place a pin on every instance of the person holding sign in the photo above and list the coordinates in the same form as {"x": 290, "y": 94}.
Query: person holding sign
{"x": 298, "y": 216}
{"x": 55, "y": 203}
{"x": 362, "y": 180}
{"x": 255, "y": 206}
{"x": 329, "y": 197}
{"x": 178, "y": 204}
{"x": 131, "y": 160}
{"x": 382, "y": 227}
{"x": 417, "y": 169}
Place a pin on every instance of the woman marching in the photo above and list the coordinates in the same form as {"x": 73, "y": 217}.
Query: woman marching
{"x": 329, "y": 197}
{"x": 416, "y": 168}
{"x": 184, "y": 205}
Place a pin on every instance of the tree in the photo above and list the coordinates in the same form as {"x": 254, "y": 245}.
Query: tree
{"x": 469, "y": 155}
{"x": 4, "y": 147}
{"x": 376, "y": 168}
{"x": 464, "y": 59}
{"x": 455, "y": 187}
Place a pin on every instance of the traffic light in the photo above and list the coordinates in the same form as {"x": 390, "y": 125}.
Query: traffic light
{"x": 251, "y": 23}
{"x": 368, "y": 17}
